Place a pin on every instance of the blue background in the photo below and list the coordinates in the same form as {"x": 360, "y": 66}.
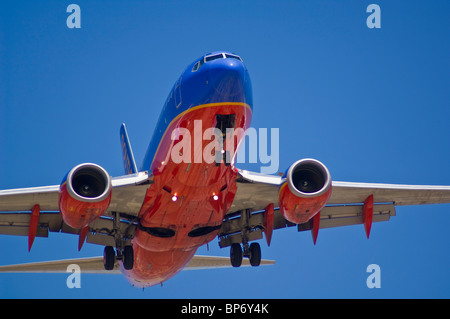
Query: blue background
{"x": 372, "y": 104}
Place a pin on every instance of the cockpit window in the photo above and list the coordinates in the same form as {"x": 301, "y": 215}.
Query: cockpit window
{"x": 232, "y": 56}
{"x": 197, "y": 65}
{"x": 210, "y": 58}
{"x": 213, "y": 57}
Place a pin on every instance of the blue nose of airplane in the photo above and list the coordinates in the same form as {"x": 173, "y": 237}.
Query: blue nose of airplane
{"x": 229, "y": 80}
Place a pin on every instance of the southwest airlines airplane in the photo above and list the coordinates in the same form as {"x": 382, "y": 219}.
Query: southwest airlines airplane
{"x": 188, "y": 191}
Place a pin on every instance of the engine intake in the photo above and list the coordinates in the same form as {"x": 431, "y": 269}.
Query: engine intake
{"x": 308, "y": 190}
{"x": 85, "y": 194}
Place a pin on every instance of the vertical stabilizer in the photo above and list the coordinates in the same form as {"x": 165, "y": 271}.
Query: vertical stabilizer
{"x": 129, "y": 162}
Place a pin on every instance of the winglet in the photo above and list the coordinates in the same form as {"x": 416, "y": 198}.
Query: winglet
{"x": 129, "y": 162}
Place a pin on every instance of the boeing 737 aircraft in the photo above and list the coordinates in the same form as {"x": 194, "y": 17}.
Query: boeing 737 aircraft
{"x": 188, "y": 191}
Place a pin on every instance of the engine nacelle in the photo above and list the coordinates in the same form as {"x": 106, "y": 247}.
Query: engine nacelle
{"x": 84, "y": 195}
{"x": 306, "y": 190}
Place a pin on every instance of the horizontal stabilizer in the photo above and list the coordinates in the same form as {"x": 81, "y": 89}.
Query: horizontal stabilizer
{"x": 94, "y": 265}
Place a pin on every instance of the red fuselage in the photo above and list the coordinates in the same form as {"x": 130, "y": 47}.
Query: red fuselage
{"x": 185, "y": 206}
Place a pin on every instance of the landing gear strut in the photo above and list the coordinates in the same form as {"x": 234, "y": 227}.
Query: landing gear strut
{"x": 224, "y": 122}
{"x": 238, "y": 232}
{"x": 122, "y": 252}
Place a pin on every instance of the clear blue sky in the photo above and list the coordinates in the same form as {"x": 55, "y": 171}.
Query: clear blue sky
{"x": 372, "y": 104}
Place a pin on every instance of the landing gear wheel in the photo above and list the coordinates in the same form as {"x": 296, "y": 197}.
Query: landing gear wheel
{"x": 128, "y": 257}
{"x": 236, "y": 255}
{"x": 109, "y": 258}
{"x": 255, "y": 254}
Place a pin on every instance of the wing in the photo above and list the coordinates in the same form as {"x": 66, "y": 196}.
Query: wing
{"x": 16, "y": 206}
{"x": 94, "y": 265}
{"x": 128, "y": 195}
{"x": 256, "y": 192}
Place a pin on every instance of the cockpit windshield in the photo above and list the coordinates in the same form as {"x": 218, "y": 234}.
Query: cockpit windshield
{"x": 232, "y": 56}
{"x": 211, "y": 57}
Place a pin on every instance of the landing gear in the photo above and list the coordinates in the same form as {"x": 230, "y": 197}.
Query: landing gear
{"x": 255, "y": 254}
{"x": 222, "y": 156}
{"x": 236, "y": 255}
{"x": 122, "y": 251}
{"x": 126, "y": 255}
{"x": 252, "y": 252}
{"x": 109, "y": 258}
{"x": 225, "y": 123}
{"x": 238, "y": 230}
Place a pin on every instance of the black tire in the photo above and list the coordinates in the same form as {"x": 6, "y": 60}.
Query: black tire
{"x": 128, "y": 257}
{"x": 236, "y": 255}
{"x": 109, "y": 258}
{"x": 255, "y": 254}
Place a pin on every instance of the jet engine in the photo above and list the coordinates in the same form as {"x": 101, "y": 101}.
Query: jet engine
{"x": 306, "y": 190}
{"x": 84, "y": 195}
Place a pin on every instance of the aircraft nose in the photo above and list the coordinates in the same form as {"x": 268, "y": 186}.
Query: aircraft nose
{"x": 228, "y": 78}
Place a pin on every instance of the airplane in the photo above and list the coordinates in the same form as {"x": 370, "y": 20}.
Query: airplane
{"x": 152, "y": 220}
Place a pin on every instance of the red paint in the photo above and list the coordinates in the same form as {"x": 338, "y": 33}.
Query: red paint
{"x": 297, "y": 209}
{"x": 315, "y": 227}
{"x": 78, "y": 214}
{"x": 368, "y": 214}
{"x": 32, "y": 229}
{"x": 268, "y": 222}
{"x": 152, "y": 268}
{"x": 204, "y": 193}
{"x": 82, "y": 237}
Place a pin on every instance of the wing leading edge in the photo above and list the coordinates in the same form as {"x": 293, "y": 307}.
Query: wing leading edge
{"x": 347, "y": 205}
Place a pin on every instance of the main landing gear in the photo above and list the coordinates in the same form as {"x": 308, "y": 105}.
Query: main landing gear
{"x": 126, "y": 255}
{"x": 252, "y": 252}
{"x": 122, "y": 252}
{"x": 237, "y": 231}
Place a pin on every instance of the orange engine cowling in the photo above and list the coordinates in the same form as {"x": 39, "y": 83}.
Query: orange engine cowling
{"x": 306, "y": 190}
{"x": 84, "y": 195}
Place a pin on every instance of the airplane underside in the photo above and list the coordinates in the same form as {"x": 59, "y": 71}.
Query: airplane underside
{"x": 185, "y": 206}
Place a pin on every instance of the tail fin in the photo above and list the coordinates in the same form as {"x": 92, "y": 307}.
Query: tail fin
{"x": 129, "y": 162}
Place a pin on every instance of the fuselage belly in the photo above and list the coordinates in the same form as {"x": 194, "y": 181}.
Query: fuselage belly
{"x": 194, "y": 177}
